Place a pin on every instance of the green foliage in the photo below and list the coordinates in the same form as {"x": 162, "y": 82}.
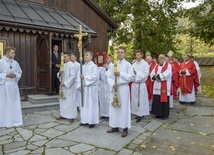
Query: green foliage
{"x": 153, "y": 26}
{"x": 208, "y": 90}
{"x": 147, "y": 25}
{"x": 188, "y": 43}
{"x": 202, "y": 18}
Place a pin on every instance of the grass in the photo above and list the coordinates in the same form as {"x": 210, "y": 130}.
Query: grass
{"x": 208, "y": 90}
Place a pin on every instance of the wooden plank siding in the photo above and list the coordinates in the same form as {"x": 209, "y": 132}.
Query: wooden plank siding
{"x": 89, "y": 16}
{"x": 24, "y": 44}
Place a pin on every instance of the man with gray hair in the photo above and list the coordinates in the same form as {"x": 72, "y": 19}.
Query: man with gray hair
{"x": 161, "y": 75}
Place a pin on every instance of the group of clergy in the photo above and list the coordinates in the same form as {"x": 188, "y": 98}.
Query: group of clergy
{"x": 141, "y": 88}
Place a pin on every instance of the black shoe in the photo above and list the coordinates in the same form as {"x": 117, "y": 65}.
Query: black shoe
{"x": 182, "y": 102}
{"x": 159, "y": 117}
{"x": 91, "y": 126}
{"x": 135, "y": 117}
{"x": 191, "y": 102}
{"x": 138, "y": 119}
{"x": 164, "y": 117}
{"x": 82, "y": 124}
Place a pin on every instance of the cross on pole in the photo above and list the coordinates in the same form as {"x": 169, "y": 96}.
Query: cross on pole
{"x": 79, "y": 36}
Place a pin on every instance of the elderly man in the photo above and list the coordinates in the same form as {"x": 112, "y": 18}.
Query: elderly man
{"x": 161, "y": 75}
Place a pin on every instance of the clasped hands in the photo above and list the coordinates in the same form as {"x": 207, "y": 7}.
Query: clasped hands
{"x": 11, "y": 75}
{"x": 183, "y": 71}
{"x": 156, "y": 77}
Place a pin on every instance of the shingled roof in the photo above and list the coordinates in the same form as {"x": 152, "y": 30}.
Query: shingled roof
{"x": 18, "y": 14}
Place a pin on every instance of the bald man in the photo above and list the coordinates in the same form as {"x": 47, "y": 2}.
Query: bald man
{"x": 161, "y": 75}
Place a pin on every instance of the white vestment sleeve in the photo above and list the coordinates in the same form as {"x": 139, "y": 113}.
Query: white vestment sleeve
{"x": 90, "y": 79}
{"x": 18, "y": 72}
{"x": 142, "y": 75}
{"x": 126, "y": 77}
{"x": 166, "y": 74}
{"x": 3, "y": 76}
{"x": 72, "y": 76}
{"x": 110, "y": 77}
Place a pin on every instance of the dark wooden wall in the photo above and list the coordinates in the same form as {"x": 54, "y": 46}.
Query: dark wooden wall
{"x": 25, "y": 54}
{"x": 89, "y": 16}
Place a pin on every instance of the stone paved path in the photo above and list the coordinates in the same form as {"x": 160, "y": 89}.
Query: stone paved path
{"x": 189, "y": 130}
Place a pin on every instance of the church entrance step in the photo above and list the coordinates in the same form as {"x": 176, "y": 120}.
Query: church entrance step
{"x": 41, "y": 98}
{"x": 28, "y": 107}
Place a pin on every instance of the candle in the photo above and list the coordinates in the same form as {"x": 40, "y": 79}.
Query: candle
{"x": 115, "y": 61}
{"x": 62, "y": 62}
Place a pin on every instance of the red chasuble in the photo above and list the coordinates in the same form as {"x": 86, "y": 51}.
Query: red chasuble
{"x": 175, "y": 76}
{"x": 186, "y": 83}
{"x": 149, "y": 82}
{"x": 163, "y": 93}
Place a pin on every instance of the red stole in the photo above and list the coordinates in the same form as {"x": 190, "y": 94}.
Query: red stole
{"x": 163, "y": 90}
{"x": 149, "y": 82}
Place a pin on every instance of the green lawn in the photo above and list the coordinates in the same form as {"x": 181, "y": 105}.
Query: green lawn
{"x": 208, "y": 90}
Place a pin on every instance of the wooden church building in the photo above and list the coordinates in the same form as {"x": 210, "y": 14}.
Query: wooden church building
{"x": 34, "y": 26}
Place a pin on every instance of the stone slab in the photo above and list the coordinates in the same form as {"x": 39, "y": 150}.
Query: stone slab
{"x": 153, "y": 125}
{"x": 57, "y": 151}
{"x": 105, "y": 140}
{"x": 48, "y": 125}
{"x": 194, "y": 110}
{"x": 67, "y": 127}
{"x": 170, "y": 142}
{"x": 52, "y": 133}
{"x": 6, "y": 131}
{"x": 37, "y": 138}
{"x": 34, "y": 119}
{"x": 22, "y": 152}
{"x": 14, "y": 145}
{"x": 59, "y": 143}
{"x": 197, "y": 124}
{"x": 25, "y": 134}
{"x": 81, "y": 148}
{"x": 103, "y": 152}
{"x": 125, "y": 152}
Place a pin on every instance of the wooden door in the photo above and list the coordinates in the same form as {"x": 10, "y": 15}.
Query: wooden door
{"x": 44, "y": 64}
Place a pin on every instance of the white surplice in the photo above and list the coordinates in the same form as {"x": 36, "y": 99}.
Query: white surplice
{"x": 165, "y": 76}
{"x": 104, "y": 92}
{"x": 120, "y": 116}
{"x": 68, "y": 106}
{"x": 199, "y": 74}
{"x": 77, "y": 92}
{"x": 10, "y": 106}
{"x": 139, "y": 93}
{"x": 90, "y": 111}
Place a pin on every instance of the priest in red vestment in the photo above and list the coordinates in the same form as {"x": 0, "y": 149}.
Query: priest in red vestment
{"x": 149, "y": 82}
{"x": 188, "y": 81}
{"x": 161, "y": 75}
{"x": 175, "y": 76}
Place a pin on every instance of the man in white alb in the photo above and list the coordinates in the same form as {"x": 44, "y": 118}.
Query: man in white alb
{"x": 10, "y": 106}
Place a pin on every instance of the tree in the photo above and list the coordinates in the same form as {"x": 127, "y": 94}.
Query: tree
{"x": 202, "y": 18}
{"x": 147, "y": 25}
